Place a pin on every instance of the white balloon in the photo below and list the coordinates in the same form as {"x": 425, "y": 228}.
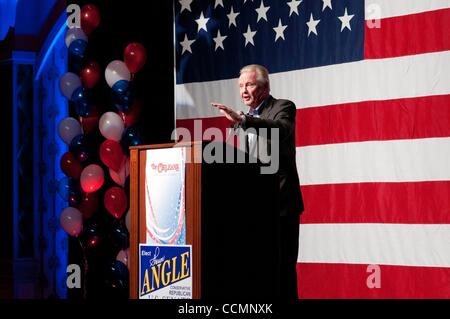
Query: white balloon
{"x": 92, "y": 178}
{"x": 69, "y": 128}
{"x": 111, "y": 126}
{"x": 123, "y": 256}
{"x": 127, "y": 220}
{"x": 116, "y": 71}
{"x": 73, "y": 34}
{"x": 68, "y": 83}
{"x": 71, "y": 221}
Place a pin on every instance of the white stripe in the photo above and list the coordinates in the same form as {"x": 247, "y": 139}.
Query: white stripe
{"x": 395, "y": 8}
{"x": 375, "y": 161}
{"x": 193, "y": 99}
{"x": 384, "y": 79}
{"x": 387, "y": 244}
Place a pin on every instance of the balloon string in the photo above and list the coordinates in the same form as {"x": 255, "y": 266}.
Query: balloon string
{"x": 85, "y": 268}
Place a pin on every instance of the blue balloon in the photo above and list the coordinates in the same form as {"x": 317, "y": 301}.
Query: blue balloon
{"x": 77, "y": 63}
{"x": 78, "y": 48}
{"x": 120, "y": 235}
{"x": 121, "y": 95}
{"x": 80, "y": 98}
{"x": 91, "y": 234}
{"x": 68, "y": 188}
{"x": 78, "y": 146}
{"x": 77, "y": 54}
{"x": 64, "y": 188}
{"x": 117, "y": 276}
{"x": 131, "y": 137}
{"x": 121, "y": 87}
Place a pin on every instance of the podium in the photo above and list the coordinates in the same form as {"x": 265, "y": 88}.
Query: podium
{"x": 231, "y": 221}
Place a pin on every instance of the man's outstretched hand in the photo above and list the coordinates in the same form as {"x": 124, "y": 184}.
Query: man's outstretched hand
{"x": 229, "y": 113}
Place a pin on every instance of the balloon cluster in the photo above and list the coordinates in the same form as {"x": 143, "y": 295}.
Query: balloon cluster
{"x": 119, "y": 76}
{"x": 85, "y": 169}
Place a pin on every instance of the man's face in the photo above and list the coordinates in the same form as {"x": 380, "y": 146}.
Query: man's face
{"x": 252, "y": 93}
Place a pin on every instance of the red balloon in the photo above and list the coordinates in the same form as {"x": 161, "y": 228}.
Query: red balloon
{"x": 89, "y": 204}
{"x": 90, "y": 74}
{"x": 116, "y": 201}
{"x": 70, "y": 165}
{"x": 93, "y": 241}
{"x": 121, "y": 175}
{"x": 74, "y": 199}
{"x": 130, "y": 117}
{"x": 111, "y": 154}
{"x": 134, "y": 56}
{"x": 90, "y": 123}
{"x": 90, "y": 18}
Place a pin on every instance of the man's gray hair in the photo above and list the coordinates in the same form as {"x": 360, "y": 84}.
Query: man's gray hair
{"x": 262, "y": 75}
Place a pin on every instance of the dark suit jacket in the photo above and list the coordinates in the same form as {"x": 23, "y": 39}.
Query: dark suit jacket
{"x": 280, "y": 114}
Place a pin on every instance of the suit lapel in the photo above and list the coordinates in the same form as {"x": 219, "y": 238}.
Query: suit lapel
{"x": 265, "y": 113}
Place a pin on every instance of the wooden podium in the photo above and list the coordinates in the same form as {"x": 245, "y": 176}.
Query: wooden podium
{"x": 231, "y": 222}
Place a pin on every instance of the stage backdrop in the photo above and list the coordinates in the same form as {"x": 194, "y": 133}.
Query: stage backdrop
{"x": 373, "y": 128}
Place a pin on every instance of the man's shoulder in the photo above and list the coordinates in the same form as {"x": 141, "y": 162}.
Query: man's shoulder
{"x": 282, "y": 103}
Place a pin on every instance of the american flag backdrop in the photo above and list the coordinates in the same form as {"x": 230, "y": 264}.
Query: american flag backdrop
{"x": 371, "y": 83}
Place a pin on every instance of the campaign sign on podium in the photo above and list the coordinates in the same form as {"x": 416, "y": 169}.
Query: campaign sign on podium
{"x": 165, "y": 196}
{"x": 165, "y": 272}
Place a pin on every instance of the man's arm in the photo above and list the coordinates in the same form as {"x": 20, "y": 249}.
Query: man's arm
{"x": 284, "y": 119}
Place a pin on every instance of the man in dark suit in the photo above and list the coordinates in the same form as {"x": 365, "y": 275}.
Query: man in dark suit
{"x": 268, "y": 112}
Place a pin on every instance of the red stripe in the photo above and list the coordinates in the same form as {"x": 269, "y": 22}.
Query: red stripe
{"x": 218, "y": 122}
{"x": 412, "y": 118}
{"x": 411, "y": 203}
{"x": 350, "y": 281}
{"x": 407, "y": 35}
